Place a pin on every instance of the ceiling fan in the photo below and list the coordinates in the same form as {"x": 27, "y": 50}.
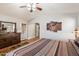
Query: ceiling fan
{"x": 32, "y": 6}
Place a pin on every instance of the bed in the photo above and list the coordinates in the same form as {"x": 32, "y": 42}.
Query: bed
{"x": 45, "y": 47}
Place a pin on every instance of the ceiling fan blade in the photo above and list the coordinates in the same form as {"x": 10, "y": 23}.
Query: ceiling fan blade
{"x": 37, "y": 3}
{"x": 38, "y": 8}
{"x": 23, "y": 6}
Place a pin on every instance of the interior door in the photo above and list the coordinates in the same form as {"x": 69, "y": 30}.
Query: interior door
{"x": 37, "y": 30}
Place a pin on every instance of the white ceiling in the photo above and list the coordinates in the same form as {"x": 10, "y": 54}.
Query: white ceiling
{"x": 12, "y": 9}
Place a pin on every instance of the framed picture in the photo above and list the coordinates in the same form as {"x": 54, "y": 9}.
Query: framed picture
{"x": 54, "y": 26}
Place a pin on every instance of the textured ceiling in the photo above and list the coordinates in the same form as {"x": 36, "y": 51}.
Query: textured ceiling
{"x": 13, "y": 9}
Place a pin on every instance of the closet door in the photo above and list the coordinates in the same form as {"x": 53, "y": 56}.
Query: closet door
{"x": 23, "y": 33}
{"x": 23, "y": 28}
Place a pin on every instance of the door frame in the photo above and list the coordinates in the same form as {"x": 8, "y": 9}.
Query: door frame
{"x": 37, "y": 34}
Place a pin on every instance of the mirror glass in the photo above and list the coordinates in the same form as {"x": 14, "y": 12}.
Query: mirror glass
{"x": 7, "y": 27}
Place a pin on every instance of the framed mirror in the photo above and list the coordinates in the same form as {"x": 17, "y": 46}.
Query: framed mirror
{"x": 7, "y": 27}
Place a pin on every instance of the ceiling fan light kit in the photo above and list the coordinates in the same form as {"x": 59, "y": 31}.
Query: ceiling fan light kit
{"x": 32, "y": 7}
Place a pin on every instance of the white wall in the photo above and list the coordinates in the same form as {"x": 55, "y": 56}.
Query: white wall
{"x": 77, "y": 21}
{"x": 17, "y": 21}
{"x": 31, "y": 31}
{"x": 68, "y": 26}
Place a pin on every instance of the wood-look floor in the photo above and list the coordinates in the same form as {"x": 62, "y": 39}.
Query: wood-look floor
{"x": 10, "y": 48}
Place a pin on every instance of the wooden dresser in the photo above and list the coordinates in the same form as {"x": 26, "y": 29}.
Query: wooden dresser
{"x": 9, "y": 39}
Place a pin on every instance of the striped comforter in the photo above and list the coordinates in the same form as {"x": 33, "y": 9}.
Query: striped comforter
{"x": 45, "y": 47}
